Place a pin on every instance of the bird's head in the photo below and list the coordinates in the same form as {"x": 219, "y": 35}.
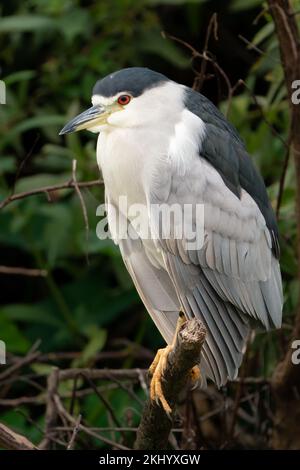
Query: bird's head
{"x": 128, "y": 98}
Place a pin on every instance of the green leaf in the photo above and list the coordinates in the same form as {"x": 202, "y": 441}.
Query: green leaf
{"x": 21, "y": 76}
{"x": 43, "y": 121}
{"x": 14, "y": 340}
{"x": 57, "y": 231}
{"x": 263, "y": 34}
{"x": 97, "y": 339}
{"x": 42, "y": 369}
{"x": 7, "y": 164}
{"x": 77, "y": 22}
{"x": 22, "y": 23}
{"x": 239, "y": 5}
{"x": 29, "y": 314}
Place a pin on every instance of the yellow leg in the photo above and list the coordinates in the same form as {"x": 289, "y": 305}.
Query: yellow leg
{"x": 158, "y": 366}
{"x": 195, "y": 376}
{"x": 157, "y": 369}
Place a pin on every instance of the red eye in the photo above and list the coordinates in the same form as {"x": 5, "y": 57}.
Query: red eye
{"x": 124, "y": 99}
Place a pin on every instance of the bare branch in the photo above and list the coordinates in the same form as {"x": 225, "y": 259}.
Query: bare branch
{"x": 207, "y": 57}
{"x": 47, "y": 189}
{"x": 28, "y": 359}
{"x": 23, "y": 271}
{"x": 74, "y": 434}
{"x": 13, "y": 441}
{"x": 51, "y": 410}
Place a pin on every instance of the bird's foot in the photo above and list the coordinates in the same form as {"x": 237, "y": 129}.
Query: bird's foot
{"x": 158, "y": 367}
{"x": 195, "y": 375}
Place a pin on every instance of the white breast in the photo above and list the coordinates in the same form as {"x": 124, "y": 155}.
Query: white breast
{"x": 120, "y": 161}
{"x": 128, "y": 158}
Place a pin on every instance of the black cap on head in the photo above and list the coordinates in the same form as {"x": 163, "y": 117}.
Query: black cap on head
{"x": 134, "y": 80}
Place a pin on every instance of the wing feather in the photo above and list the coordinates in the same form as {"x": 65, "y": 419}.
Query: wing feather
{"x": 234, "y": 276}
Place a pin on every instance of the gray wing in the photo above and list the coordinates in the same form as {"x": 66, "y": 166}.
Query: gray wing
{"x": 235, "y": 275}
{"x": 224, "y": 149}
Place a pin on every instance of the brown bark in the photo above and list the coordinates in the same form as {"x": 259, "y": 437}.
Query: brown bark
{"x": 286, "y": 378}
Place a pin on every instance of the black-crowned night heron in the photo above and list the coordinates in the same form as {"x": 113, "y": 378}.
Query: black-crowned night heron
{"x": 161, "y": 143}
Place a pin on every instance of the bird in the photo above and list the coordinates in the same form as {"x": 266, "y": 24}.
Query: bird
{"x": 163, "y": 143}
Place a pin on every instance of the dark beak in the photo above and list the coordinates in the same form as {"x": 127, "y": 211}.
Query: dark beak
{"x": 96, "y": 115}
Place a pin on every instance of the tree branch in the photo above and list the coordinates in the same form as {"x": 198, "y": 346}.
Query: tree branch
{"x": 51, "y": 410}
{"x": 13, "y": 441}
{"x": 18, "y": 271}
{"x": 47, "y": 189}
{"x": 155, "y": 426}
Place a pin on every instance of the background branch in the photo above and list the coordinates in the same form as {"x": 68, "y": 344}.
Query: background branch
{"x": 18, "y": 271}
{"x": 48, "y": 189}
{"x": 9, "y": 439}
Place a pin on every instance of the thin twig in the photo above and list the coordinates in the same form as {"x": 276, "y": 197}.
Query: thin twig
{"x": 46, "y": 189}
{"x": 208, "y": 57}
{"x": 51, "y": 411}
{"x": 71, "y": 444}
{"x": 125, "y": 388}
{"x": 257, "y": 49}
{"x": 28, "y": 359}
{"x": 201, "y": 75}
{"x": 83, "y": 428}
{"x": 23, "y": 271}
{"x": 273, "y": 130}
{"x": 103, "y": 400}
{"x": 37, "y": 426}
{"x": 25, "y": 160}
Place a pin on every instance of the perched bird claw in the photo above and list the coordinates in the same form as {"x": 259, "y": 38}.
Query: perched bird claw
{"x": 157, "y": 370}
{"x": 195, "y": 375}
{"x": 158, "y": 367}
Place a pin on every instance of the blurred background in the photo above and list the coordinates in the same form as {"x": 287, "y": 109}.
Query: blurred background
{"x": 85, "y": 312}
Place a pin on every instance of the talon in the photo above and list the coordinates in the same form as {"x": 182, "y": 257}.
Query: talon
{"x": 158, "y": 367}
{"x": 155, "y": 362}
{"x": 195, "y": 375}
